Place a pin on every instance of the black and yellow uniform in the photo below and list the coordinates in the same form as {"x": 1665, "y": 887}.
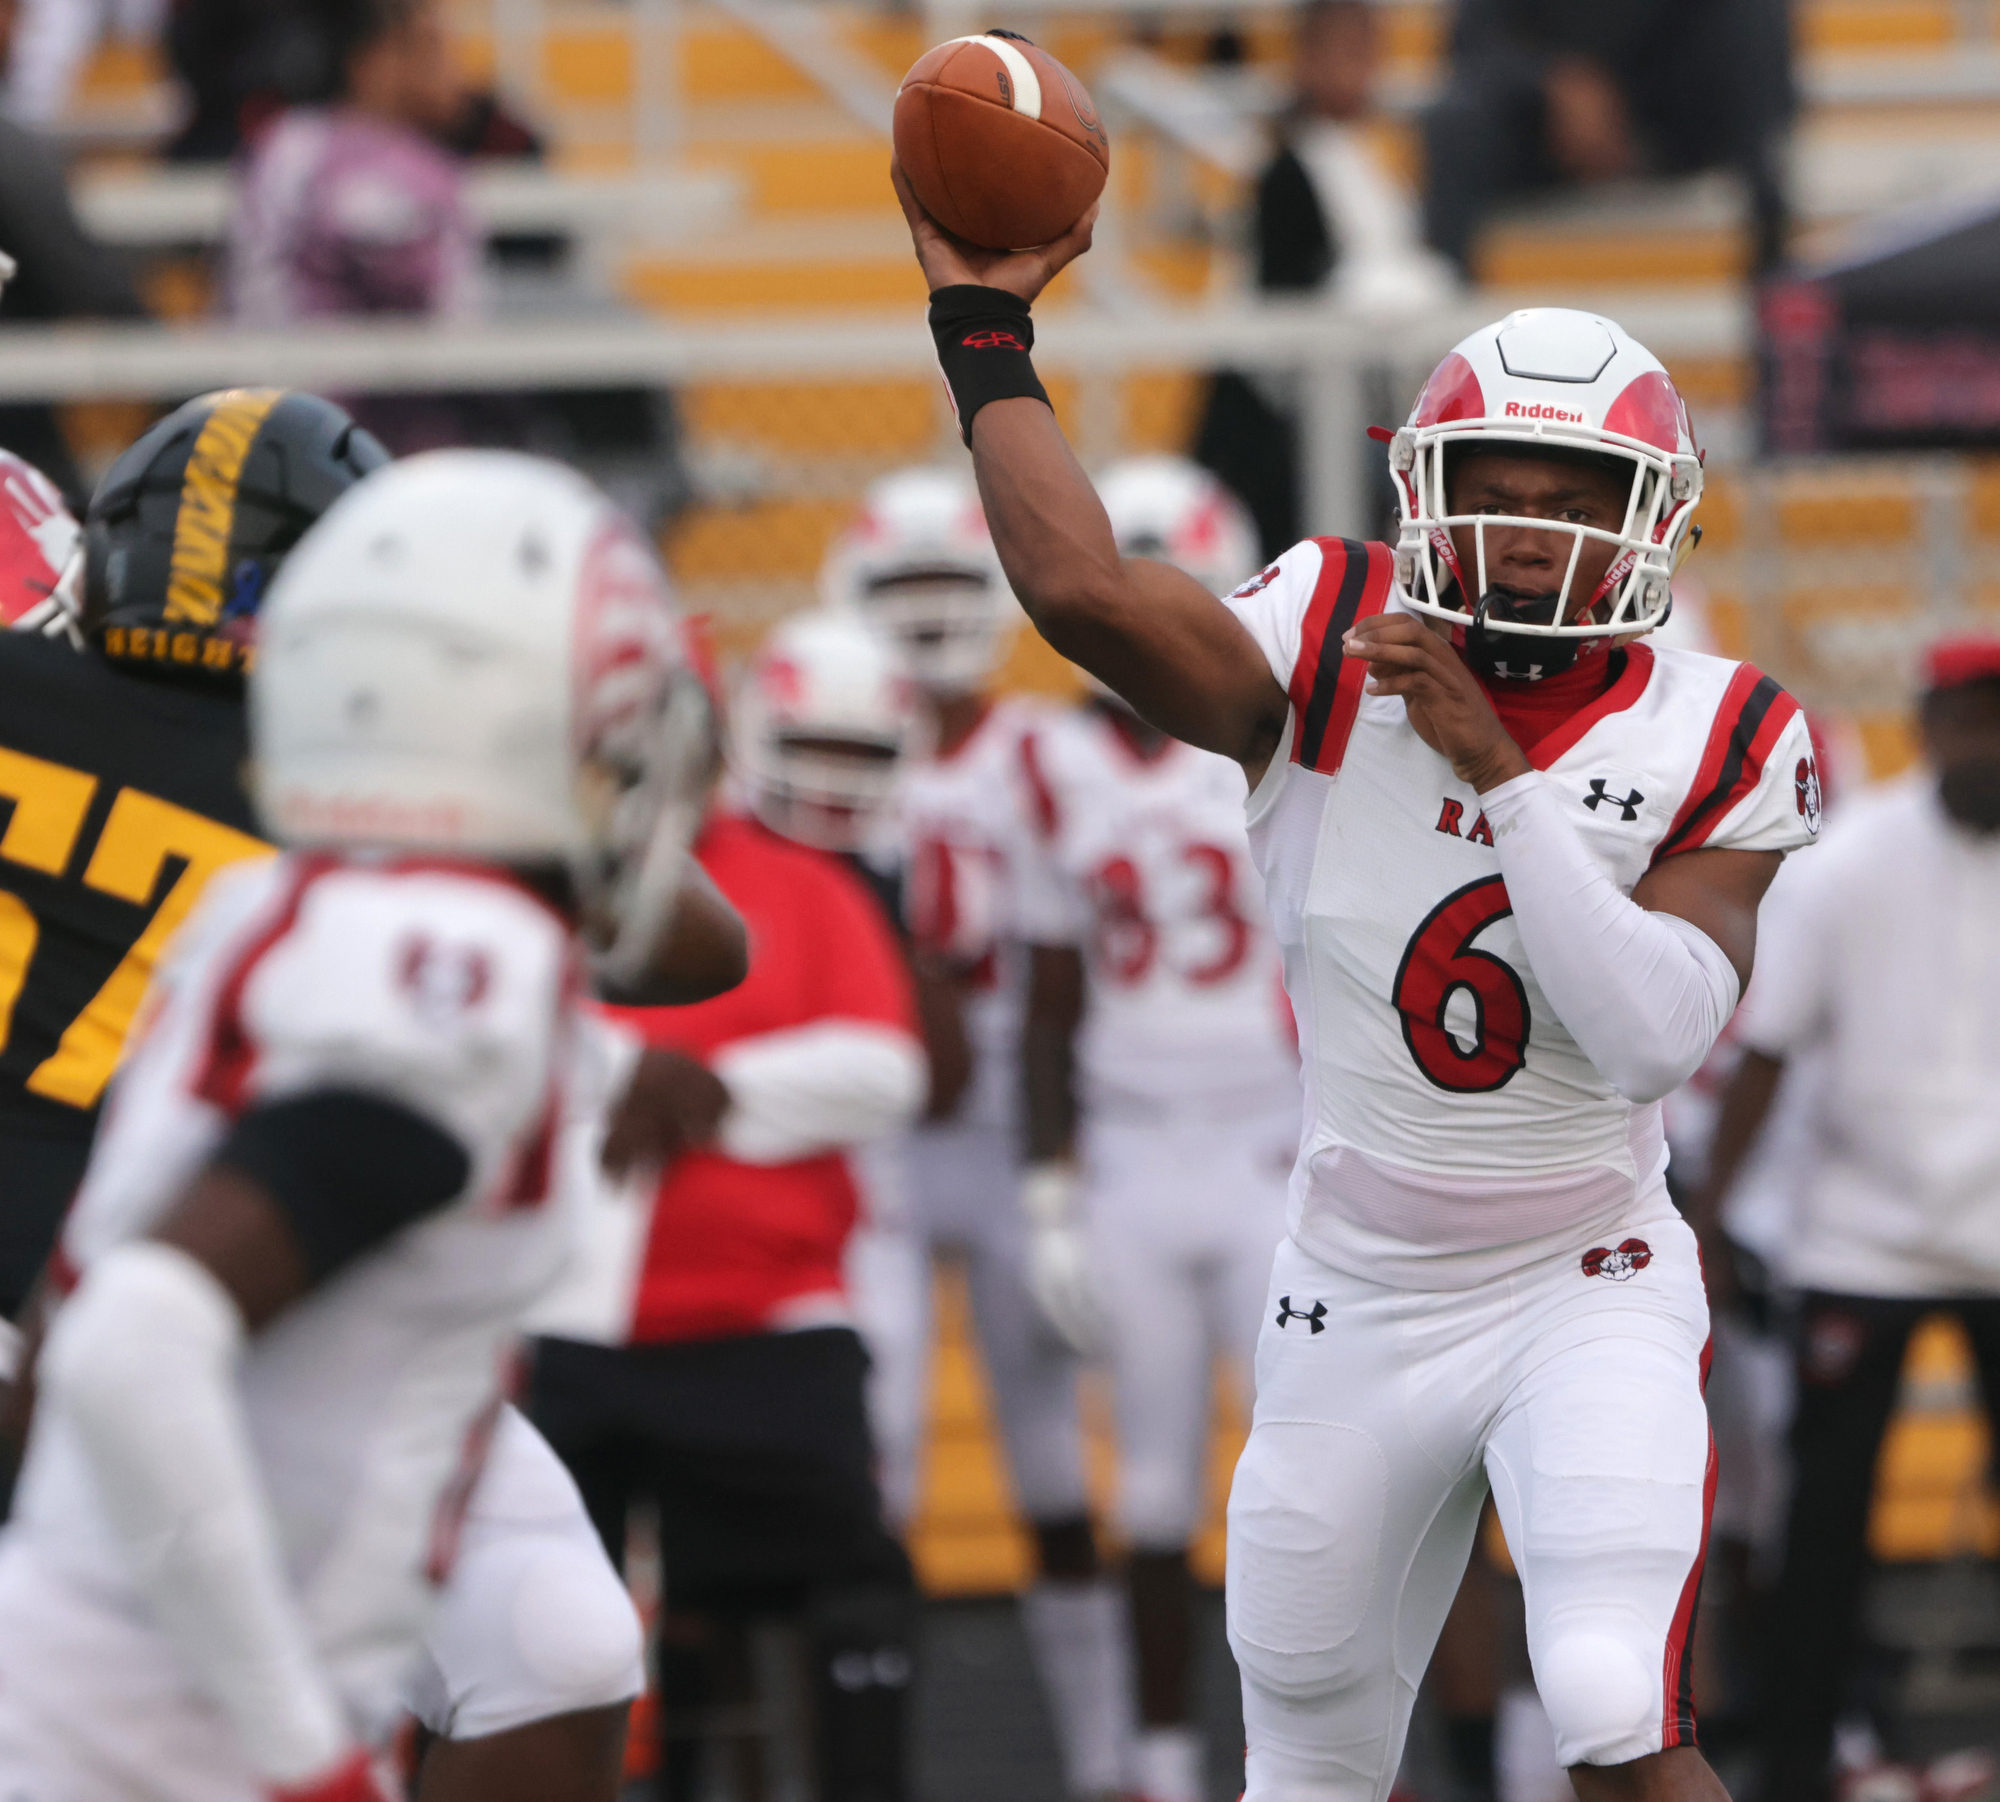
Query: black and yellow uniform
{"x": 122, "y": 765}
{"x": 124, "y": 797}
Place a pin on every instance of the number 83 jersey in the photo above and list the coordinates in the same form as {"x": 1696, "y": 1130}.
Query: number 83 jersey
{"x": 1136, "y": 855}
{"x": 1453, "y": 1124}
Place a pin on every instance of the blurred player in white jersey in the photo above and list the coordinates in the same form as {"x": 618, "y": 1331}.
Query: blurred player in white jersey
{"x": 919, "y": 563}
{"x": 505, "y": 1720}
{"x": 320, "y": 1197}
{"x": 1161, "y": 1082}
{"x": 1512, "y": 856}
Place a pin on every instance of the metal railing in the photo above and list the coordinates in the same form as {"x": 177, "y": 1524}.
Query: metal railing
{"x": 1328, "y": 359}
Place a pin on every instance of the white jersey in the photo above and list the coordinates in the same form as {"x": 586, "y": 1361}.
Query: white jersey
{"x": 1449, "y": 1110}
{"x": 369, "y": 1402}
{"x": 958, "y": 825}
{"x": 1886, "y": 985}
{"x": 1143, "y": 863}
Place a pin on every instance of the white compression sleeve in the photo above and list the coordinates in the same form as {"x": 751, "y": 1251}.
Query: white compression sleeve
{"x": 1645, "y": 995}
{"x": 810, "y": 1089}
{"x": 141, "y": 1360}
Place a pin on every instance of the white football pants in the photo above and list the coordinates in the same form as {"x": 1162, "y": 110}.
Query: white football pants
{"x": 964, "y": 1193}
{"x": 1383, "y": 1414}
{"x": 1183, "y": 1218}
{"x": 533, "y": 1622}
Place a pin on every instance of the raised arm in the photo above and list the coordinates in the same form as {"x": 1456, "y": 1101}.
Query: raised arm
{"x": 1145, "y": 629}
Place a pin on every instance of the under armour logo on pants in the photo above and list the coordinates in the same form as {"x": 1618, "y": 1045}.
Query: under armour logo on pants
{"x": 1315, "y": 1317}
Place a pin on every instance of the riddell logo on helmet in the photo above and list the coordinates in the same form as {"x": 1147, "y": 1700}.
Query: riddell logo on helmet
{"x": 1537, "y": 409}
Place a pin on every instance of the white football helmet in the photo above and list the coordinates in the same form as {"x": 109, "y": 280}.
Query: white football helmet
{"x": 920, "y": 564}
{"x": 41, "y": 552}
{"x": 474, "y": 654}
{"x": 1546, "y": 378}
{"x": 820, "y": 725}
{"x": 1172, "y": 509}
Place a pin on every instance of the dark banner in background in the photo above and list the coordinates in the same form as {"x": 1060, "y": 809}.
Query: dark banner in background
{"x": 1894, "y": 348}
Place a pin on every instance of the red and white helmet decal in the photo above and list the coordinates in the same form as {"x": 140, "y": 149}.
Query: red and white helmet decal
{"x": 1451, "y": 393}
{"x": 1549, "y": 379}
{"x": 39, "y": 538}
{"x": 628, "y": 636}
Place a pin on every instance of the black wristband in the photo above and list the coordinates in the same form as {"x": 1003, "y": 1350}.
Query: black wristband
{"x": 983, "y": 339}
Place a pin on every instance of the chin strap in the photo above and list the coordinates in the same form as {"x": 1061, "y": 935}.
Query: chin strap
{"x": 1510, "y": 656}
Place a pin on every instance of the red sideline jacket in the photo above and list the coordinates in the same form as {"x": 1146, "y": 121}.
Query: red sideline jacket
{"x": 819, "y": 1040}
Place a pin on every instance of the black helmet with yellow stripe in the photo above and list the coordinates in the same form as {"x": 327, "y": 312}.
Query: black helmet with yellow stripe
{"x": 189, "y": 526}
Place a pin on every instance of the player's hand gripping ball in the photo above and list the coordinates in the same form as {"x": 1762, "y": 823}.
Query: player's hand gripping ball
{"x": 1000, "y": 142}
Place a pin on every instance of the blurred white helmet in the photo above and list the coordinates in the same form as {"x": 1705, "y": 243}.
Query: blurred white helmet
{"x": 474, "y": 654}
{"x": 821, "y": 721}
{"x": 1173, "y": 510}
{"x": 1546, "y": 379}
{"x": 920, "y": 564}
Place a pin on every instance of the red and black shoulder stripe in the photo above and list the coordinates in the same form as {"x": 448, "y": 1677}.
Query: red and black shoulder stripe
{"x": 1755, "y": 711}
{"x": 1042, "y": 808}
{"x": 1355, "y": 581}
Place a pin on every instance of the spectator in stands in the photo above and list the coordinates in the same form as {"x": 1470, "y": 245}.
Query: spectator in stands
{"x": 244, "y": 61}
{"x": 1330, "y": 212}
{"x": 353, "y": 206}
{"x": 1542, "y": 93}
{"x": 61, "y": 273}
{"x": 1331, "y": 215}
{"x": 1888, "y": 978}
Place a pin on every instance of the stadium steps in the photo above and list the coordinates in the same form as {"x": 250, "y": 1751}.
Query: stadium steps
{"x": 1933, "y": 1498}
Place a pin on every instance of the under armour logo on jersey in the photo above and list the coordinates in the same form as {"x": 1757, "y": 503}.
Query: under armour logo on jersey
{"x": 1314, "y": 1317}
{"x": 1618, "y": 1266}
{"x": 1627, "y": 804}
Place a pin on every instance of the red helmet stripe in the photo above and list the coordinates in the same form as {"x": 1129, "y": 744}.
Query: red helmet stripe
{"x": 1650, "y": 409}
{"x": 1453, "y": 392}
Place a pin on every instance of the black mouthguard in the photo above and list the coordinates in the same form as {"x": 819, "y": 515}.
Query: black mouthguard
{"x": 1511, "y": 656}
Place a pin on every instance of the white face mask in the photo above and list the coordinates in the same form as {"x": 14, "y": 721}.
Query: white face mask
{"x": 947, "y": 631}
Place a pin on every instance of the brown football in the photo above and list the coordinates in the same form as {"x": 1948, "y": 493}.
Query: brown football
{"x": 1000, "y": 141}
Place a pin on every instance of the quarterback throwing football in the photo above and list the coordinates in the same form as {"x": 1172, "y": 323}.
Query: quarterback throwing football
{"x": 1513, "y": 857}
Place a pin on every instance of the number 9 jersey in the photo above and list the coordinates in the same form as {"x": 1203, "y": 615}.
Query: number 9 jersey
{"x": 1452, "y": 1123}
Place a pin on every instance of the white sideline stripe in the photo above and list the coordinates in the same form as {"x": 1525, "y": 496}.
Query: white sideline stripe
{"x": 1027, "y": 84}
